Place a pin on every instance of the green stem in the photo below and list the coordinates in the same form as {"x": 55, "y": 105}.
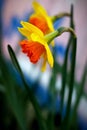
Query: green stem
{"x": 71, "y": 87}
{"x": 60, "y": 15}
{"x": 79, "y": 94}
{"x": 49, "y": 37}
{"x": 71, "y": 83}
{"x": 64, "y": 75}
{"x": 53, "y": 96}
{"x": 71, "y": 19}
{"x": 30, "y": 93}
{"x": 12, "y": 96}
{"x": 64, "y": 72}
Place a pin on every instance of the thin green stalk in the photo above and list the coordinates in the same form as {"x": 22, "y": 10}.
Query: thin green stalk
{"x": 64, "y": 76}
{"x": 53, "y": 96}
{"x": 79, "y": 95}
{"x": 71, "y": 83}
{"x": 30, "y": 93}
{"x": 64, "y": 71}
{"x": 72, "y": 18}
{"x": 49, "y": 37}
{"x": 60, "y": 15}
{"x": 12, "y": 96}
{"x": 58, "y": 32}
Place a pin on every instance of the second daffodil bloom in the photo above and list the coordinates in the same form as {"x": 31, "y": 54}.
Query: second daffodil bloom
{"x": 35, "y": 45}
{"x": 41, "y": 19}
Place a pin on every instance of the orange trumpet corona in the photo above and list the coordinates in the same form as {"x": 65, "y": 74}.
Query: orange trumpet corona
{"x": 33, "y": 50}
{"x": 40, "y": 23}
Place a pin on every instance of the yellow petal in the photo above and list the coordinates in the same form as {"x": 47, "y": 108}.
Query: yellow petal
{"x": 35, "y": 37}
{"x": 49, "y": 55}
{"x": 24, "y": 32}
{"x": 31, "y": 28}
{"x": 39, "y": 9}
{"x": 44, "y": 63}
{"x": 50, "y": 24}
{"x": 42, "y": 12}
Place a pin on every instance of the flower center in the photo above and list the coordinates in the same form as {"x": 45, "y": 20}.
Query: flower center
{"x": 40, "y": 23}
{"x": 33, "y": 50}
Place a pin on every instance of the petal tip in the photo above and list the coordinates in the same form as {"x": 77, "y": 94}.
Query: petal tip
{"x": 19, "y": 29}
{"x": 22, "y": 22}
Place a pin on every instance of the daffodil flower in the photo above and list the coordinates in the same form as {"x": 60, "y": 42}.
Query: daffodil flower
{"x": 35, "y": 45}
{"x": 41, "y": 19}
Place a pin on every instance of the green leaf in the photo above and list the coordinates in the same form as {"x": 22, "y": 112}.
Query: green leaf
{"x": 64, "y": 69}
{"x": 71, "y": 82}
{"x": 14, "y": 60}
{"x": 52, "y": 90}
{"x": 28, "y": 90}
{"x": 73, "y": 42}
{"x": 64, "y": 75}
{"x": 79, "y": 94}
{"x": 13, "y": 96}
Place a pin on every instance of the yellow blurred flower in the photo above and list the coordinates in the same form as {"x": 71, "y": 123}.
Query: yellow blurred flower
{"x": 36, "y": 45}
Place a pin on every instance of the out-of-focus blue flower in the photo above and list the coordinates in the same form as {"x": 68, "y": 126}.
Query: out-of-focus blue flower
{"x": 59, "y": 49}
{"x": 12, "y": 27}
{"x": 42, "y": 95}
{"x": 9, "y": 30}
{"x": 82, "y": 123}
{"x": 1, "y": 3}
{"x": 1, "y": 8}
{"x": 58, "y": 23}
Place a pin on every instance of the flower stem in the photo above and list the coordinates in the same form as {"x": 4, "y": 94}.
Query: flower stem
{"x": 79, "y": 94}
{"x": 64, "y": 71}
{"x": 52, "y": 90}
{"x": 71, "y": 83}
{"x": 28, "y": 90}
{"x": 49, "y": 37}
{"x": 60, "y": 15}
{"x": 64, "y": 75}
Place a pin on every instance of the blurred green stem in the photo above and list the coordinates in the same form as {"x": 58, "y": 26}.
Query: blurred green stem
{"x": 28, "y": 89}
{"x": 52, "y": 90}
{"x": 64, "y": 71}
{"x": 60, "y": 15}
{"x": 79, "y": 95}
{"x": 64, "y": 76}
{"x": 11, "y": 95}
{"x": 71, "y": 83}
